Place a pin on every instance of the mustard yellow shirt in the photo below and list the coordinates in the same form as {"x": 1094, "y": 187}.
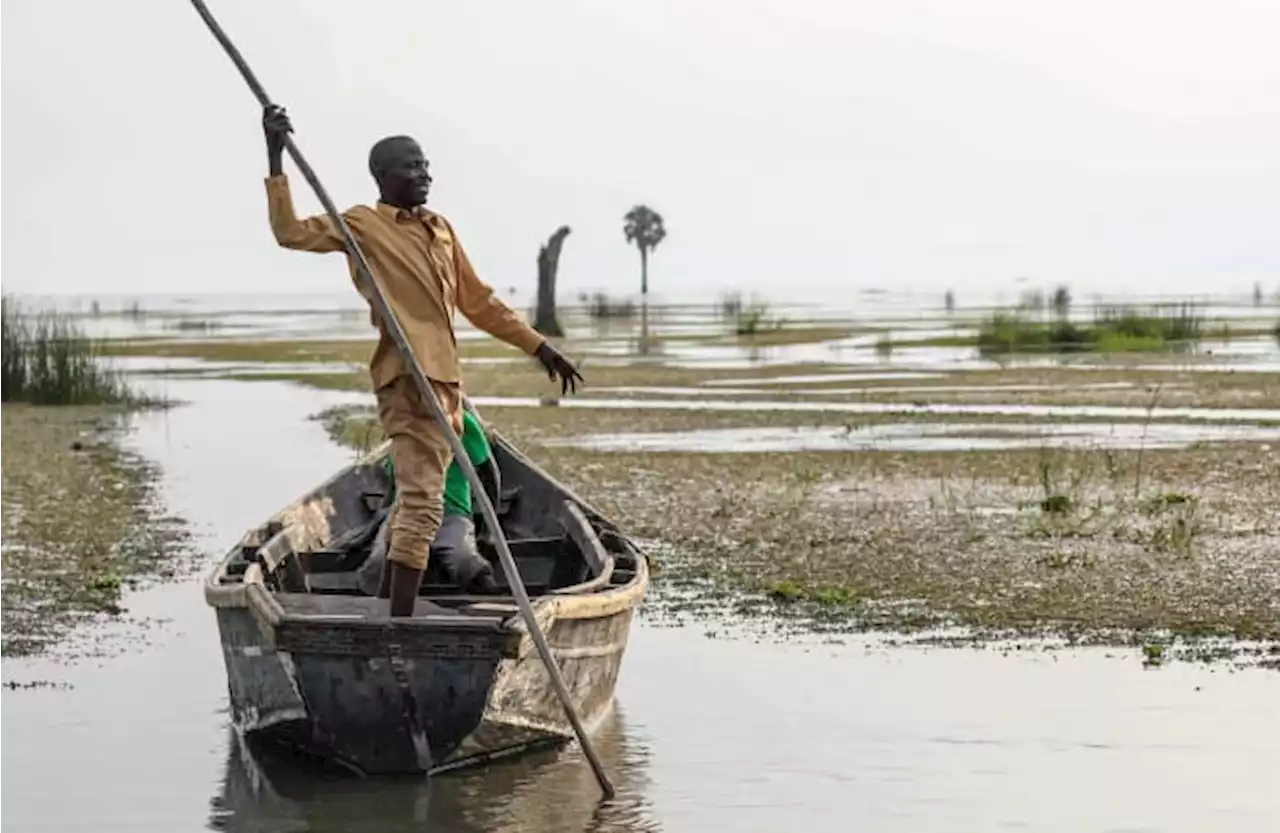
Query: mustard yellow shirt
{"x": 423, "y": 273}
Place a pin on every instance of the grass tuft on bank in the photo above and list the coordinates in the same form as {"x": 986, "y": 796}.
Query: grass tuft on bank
{"x": 48, "y": 360}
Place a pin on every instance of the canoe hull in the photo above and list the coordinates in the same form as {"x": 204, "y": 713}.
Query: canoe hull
{"x": 333, "y": 678}
{"x": 352, "y": 711}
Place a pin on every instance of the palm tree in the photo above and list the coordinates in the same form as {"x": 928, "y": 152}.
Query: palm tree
{"x": 643, "y": 227}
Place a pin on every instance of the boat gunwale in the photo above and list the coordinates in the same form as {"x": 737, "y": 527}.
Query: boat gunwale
{"x": 586, "y": 600}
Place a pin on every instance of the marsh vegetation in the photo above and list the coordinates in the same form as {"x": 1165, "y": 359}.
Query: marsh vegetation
{"x": 48, "y": 360}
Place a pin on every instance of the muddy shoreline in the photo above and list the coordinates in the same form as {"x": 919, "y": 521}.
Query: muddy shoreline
{"x": 83, "y": 524}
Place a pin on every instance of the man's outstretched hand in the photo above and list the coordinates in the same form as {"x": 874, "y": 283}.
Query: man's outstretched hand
{"x": 557, "y": 365}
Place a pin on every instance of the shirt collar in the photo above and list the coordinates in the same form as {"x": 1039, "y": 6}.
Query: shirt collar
{"x": 394, "y": 213}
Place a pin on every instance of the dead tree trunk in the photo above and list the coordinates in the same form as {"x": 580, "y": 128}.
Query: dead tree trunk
{"x": 548, "y": 262}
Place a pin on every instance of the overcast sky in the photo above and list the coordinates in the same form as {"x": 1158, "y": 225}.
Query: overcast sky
{"x": 792, "y": 146}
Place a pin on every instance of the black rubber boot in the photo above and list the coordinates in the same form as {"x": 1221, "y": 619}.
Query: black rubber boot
{"x": 403, "y": 589}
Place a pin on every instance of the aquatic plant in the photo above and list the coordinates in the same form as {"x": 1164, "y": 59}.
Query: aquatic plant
{"x": 48, "y": 360}
{"x": 1114, "y": 329}
{"x": 1012, "y": 332}
{"x": 1175, "y": 323}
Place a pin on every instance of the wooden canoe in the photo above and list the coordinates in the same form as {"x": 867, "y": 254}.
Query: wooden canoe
{"x": 316, "y": 666}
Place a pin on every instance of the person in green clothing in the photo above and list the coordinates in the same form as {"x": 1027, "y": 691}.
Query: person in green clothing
{"x": 455, "y": 542}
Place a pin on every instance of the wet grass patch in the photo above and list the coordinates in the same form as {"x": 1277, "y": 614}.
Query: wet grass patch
{"x": 877, "y": 541}
{"x": 1114, "y": 329}
{"x": 1085, "y": 545}
{"x": 82, "y": 523}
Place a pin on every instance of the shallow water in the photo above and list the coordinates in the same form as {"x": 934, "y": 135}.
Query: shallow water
{"x": 823, "y": 377}
{"x": 1118, "y": 412}
{"x": 869, "y": 390}
{"x": 206, "y": 367}
{"x": 924, "y": 436}
{"x": 711, "y": 734}
{"x": 611, "y": 342}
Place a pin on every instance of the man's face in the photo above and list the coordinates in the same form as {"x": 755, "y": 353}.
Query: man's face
{"x": 403, "y": 178}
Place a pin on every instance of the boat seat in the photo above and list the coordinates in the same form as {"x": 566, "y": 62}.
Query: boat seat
{"x": 346, "y": 584}
{"x": 367, "y": 607}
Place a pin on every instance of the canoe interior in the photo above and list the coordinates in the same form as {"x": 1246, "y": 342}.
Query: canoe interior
{"x": 309, "y": 552}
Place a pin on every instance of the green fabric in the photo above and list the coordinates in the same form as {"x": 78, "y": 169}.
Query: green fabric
{"x": 457, "y": 491}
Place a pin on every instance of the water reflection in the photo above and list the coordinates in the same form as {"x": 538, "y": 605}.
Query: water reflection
{"x": 548, "y": 791}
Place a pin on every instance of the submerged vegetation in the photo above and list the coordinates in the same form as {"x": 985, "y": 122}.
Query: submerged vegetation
{"x": 48, "y": 360}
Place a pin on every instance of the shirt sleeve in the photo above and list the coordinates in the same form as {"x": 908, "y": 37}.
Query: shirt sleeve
{"x": 484, "y": 308}
{"x": 313, "y": 234}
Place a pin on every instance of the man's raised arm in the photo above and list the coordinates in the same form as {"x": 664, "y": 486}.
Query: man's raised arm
{"x": 313, "y": 234}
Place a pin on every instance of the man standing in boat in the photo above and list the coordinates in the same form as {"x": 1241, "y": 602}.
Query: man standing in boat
{"x": 425, "y": 275}
{"x": 455, "y": 542}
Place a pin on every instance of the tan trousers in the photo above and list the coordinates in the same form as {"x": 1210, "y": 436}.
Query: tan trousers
{"x": 421, "y": 455}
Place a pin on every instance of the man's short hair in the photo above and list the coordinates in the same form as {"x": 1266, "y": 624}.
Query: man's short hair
{"x": 383, "y": 150}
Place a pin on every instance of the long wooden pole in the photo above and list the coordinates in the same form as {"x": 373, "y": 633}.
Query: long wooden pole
{"x": 428, "y": 395}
